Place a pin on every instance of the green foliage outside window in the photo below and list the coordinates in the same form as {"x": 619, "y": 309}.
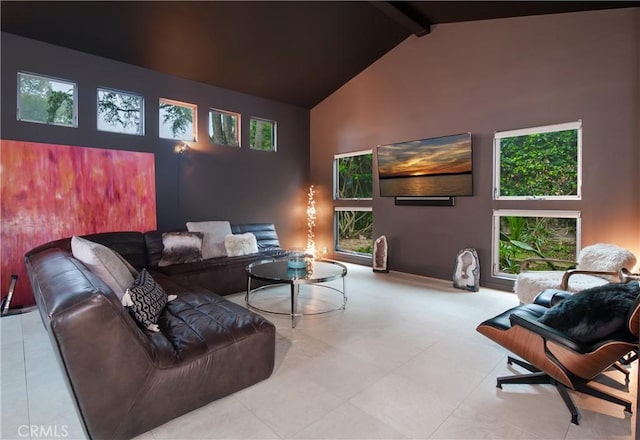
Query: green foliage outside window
{"x": 541, "y": 164}
{"x": 46, "y": 100}
{"x": 176, "y": 121}
{"x": 120, "y": 112}
{"x": 223, "y": 128}
{"x": 262, "y": 135}
{"x": 536, "y": 237}
{"x": 355, "y": 231}
{"x": 355, "y": 177}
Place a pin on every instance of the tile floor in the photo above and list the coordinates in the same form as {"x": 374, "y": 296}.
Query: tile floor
{"x": 402, "y": 361}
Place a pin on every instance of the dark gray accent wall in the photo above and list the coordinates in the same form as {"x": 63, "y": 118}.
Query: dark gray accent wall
{"x": 209, "y": 182}
{"x": 482, "y": 77}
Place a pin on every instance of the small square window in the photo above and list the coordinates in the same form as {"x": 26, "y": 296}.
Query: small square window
{"x": 120, "y": 112}
{"x": 178, "y": 120}
{"x": 47, "y": 100}
{"x": 262, "y": 134}
{"x": 224, "y": 128}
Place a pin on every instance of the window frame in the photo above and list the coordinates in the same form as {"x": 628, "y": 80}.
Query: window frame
{"x": 194, "y": 119}
{"x": 336, "y": 178}
{"x": 274, "y": 134}
{"x": 238, "y": 124}
{"x": 121, "y": 92}
{"x": 74, "y": 123}
{"x": 498, "y": 135}
{"x": 549, "y": 213}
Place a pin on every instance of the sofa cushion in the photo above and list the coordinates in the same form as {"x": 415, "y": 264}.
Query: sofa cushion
{"x": 181, "y": 247}
{"x": 107, "y": 264}
{"x": 214, "y": 234}
{"x": 146, "y": 299}
{"x": 240, "y": 244}
{"x": 265, "y": 234}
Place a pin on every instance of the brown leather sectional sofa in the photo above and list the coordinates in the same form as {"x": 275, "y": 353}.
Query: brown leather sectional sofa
{"x": 126, "y": 380}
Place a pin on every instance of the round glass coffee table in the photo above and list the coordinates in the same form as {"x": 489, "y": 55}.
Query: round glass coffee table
{"x": 277, "y": 272}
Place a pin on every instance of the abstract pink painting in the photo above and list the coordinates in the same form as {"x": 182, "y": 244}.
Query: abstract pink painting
{"x": 55, "y": 191}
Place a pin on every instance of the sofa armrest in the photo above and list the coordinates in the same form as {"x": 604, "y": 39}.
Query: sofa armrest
{"x": 105, "y": 357}
{"x": 547, "y": 333}
{"x": 564, "y": 284}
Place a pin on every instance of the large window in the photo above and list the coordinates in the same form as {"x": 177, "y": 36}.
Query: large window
{"x": 540, "y": 163}
{"x": 262, "y": 134}
{"x": 353, "y": 182}
{"x": 522, "y": 234}
{"x": 178, "y": 120}
{"x": 541, "y": 167}
{"x": 47, "y": 100}
{"x": 224, "y": 128}
{"x": 120, "y": 112}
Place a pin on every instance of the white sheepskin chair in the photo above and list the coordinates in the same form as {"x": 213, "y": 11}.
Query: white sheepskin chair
{"x": 600, "y": 257}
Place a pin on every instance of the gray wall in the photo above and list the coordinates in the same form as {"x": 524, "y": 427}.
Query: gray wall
{"x": 207, "y": 183}
{"x": 483, "y": 77}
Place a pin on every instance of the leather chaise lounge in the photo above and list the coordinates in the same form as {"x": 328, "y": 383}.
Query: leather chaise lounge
{"x": 126, "y": 380}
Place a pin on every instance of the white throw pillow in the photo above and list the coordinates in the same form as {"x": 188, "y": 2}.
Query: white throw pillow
{"x": 240, "y": 244}
{"x": 105, "y": 263}
{"x": 214, "y": 234}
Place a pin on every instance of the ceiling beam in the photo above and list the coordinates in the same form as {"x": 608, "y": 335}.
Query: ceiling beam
{"x": 406, "y": 16}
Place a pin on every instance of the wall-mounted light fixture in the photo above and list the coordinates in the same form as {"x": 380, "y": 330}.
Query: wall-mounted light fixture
{"x": 181, "y": 148}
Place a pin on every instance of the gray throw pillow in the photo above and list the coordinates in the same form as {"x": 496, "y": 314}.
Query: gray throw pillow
{"x": 104, "y": 262}
{"x": 214, "y": 234}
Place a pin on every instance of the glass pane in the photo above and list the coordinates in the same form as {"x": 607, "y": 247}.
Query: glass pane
{"x": 120, "y": 112}
{"x": 542, "y": 164}
{"x": 355, "y": 229}
{"x": 176, "y": 121}
{"x": 262, "y": 135}
{"x": 355, "y": 177}
{"x": 536, "y": 237}
{"x": 223, "y": 128}
{"x": 46, "y": 100}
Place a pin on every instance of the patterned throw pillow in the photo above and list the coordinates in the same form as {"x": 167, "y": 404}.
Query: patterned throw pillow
{"x": 145, "y": 300}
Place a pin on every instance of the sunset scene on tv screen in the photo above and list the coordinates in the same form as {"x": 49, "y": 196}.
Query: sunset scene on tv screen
{"x": 426, "y": 157}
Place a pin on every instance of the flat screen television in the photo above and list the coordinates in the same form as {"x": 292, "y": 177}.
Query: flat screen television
{"x": 433, "y": 167}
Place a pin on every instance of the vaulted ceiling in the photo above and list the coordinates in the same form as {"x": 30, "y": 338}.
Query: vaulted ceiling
{"x": 296, "y": 52}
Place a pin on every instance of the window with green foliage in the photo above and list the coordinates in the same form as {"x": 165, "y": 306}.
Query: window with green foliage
{"x": 120, "y": 112}
{"x": 224, "y": 128}
{"x": 353, "y": 181}
{"x": 354, "y": 230}
{"x": 47, "y": 100}
{"x": 539, "y": 163}
{"x": 178, "y": 120}
{"x": 262, "y": 134}
{"x": 354, "y": 176}
{"x": 541, "y": 234}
